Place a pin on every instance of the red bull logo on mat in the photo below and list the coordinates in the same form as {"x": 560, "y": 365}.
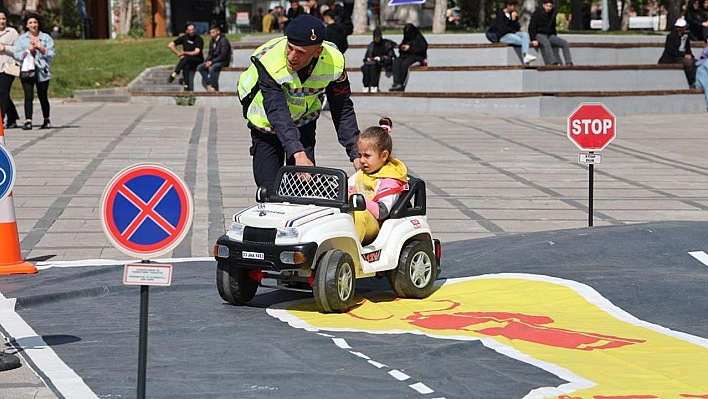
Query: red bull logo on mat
{"x": 560, "y": 326}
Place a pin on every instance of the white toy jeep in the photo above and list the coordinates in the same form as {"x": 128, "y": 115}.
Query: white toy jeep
{"x": 302, "y": 236}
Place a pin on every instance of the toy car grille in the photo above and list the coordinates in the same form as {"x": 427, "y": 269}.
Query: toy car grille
{"x": 258, "y": 235}
{"x": 309, "y": 185}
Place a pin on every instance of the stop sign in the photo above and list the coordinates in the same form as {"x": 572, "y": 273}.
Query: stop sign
{"x": 591, "y": 126}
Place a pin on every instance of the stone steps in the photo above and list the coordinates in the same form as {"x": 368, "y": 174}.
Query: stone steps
{"x": 479, "y": 54}
{"x": 530, "y": 104}
{"x": 511, "y": 79}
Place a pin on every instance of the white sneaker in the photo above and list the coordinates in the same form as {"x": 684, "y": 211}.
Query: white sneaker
{"x": 528, "y": 58}
{"x": 366, "y": 90}
{"x": 374, "y": 89}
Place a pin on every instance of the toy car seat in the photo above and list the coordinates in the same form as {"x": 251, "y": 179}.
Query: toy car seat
{"x": 411, "y": 202}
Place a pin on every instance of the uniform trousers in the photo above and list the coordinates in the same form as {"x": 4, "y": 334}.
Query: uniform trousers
{"x": 269, "y": 155}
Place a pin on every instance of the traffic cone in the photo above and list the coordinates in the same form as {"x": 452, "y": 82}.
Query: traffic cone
{"x": 10, "y": 254}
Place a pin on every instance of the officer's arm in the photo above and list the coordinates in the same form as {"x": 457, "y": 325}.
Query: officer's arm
{"x": 343, "y": 116}
{"x": 276, "y": 108}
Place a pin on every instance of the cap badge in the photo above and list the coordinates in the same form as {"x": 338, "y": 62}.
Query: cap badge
{"x": 313, "y": 37}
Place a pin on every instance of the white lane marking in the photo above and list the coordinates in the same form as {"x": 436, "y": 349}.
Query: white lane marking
{"x": 400, "y": 376}
{"x": 700, "y": 256}
{"x": 376, "y": 364}
{"x": 326, "y": 335}
{"x": 113, "y": 262}
{"x": 361, "y": 355}
{"x": 340, "y": 342}
{"x": 421, "y": 388}
{"x": 64, "y": 379}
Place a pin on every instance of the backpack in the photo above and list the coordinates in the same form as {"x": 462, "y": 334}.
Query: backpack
{"x": 491, "y": 35}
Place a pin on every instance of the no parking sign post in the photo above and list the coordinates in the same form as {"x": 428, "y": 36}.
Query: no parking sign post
{"x": 591, "y": 127}
{"x": 146, "y": 210}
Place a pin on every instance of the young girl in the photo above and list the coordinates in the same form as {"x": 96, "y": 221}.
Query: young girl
{"x": 380, "y": 180}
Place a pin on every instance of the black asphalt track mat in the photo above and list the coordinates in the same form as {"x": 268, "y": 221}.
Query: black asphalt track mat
{"x": 200, "y": 347}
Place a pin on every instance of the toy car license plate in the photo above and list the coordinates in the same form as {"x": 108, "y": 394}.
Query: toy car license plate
{"x": 252, "y": 255}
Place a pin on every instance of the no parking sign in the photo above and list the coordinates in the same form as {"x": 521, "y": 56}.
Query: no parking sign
{"x": 146, "y": 210}
{"x": 7, "y": 173}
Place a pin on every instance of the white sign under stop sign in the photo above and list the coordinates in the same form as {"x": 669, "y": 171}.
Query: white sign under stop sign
{"x": 591, "y": 126}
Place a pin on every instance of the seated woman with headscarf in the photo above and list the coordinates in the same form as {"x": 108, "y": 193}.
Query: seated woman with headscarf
{"x": 413, "y": 49}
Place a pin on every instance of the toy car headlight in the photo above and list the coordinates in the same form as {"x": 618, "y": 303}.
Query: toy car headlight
{"x": 288, "y": 232}
{"x": 236, "y": 230}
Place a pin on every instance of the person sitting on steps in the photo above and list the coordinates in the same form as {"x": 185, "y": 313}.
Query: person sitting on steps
{"x": 381, "y": 179}
{"x": 219, "y": 57}
{"x": 190, "y": 56}
{"x": 677, "y": 50}
{"x": 542, "y": 32}
{"x": 379, "y": 54}
{"x": 413, "y": 49}
{"x": 506, "y": 26}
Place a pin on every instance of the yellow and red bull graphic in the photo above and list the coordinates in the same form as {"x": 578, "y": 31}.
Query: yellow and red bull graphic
{"x": 560, "y": 326}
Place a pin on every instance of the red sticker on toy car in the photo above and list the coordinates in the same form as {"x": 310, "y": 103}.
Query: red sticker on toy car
{"x": 372, "y": 256}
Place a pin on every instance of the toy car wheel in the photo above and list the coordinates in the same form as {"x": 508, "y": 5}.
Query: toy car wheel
{"x": 335, "y": 282}
{"x": 415, "y": 275}
{"x": 234, "y": 284}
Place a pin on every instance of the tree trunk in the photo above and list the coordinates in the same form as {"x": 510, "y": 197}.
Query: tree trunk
{"x": 125, "y": 16}
{"x": 613, "y": 14}
{"x": 482, "y": 14}
{"x": 626, "y": 5}
{"x": 576, "y": 15}
{"x": 674, "y": 12}
{"x": 439, "y": 20}
{"x": 359, "y": 17}
{"x": 528, "y": 7}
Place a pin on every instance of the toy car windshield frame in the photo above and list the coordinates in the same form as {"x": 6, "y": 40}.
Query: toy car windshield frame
{"x": 310, "y": 185}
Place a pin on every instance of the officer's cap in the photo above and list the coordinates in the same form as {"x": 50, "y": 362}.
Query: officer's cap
{"x": 305, "y": 30}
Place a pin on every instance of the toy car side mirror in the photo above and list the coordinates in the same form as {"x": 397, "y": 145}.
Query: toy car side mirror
{"x": 357, "y": 202}
{"x": 261, "y": 194}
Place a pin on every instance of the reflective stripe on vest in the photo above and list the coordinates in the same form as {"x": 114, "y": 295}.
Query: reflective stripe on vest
{"x": 302, "y": 98}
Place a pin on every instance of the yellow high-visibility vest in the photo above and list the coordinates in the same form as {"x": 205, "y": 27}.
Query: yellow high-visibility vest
{"x": 302, "y": 98}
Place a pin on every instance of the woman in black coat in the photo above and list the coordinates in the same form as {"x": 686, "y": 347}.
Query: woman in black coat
{"x": 413, "y": 49}
{"x": 697, "y": 19}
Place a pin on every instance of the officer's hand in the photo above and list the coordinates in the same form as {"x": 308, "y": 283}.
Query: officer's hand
{"x": 301, "y": 159}
{"x": 534, "y": 43}
{"x": 357, "y": 164}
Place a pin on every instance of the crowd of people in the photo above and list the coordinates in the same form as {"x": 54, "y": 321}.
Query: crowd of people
{"x": 276, "y": 19}
{"x": 28, "y": 56}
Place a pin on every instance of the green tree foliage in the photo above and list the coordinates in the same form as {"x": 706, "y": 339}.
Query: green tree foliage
{"x": 476, "y": 14}
{"x": 70, "y": 20}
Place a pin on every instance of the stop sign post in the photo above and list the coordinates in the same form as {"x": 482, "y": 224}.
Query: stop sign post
{"x": 591, "y": 127}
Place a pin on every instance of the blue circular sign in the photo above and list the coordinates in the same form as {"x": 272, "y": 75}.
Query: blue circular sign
{"x": 146, "y": 210}
{"x": 7, "y": 173}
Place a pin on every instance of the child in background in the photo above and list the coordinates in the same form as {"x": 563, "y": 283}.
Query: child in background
{"x": 380, "y": 180}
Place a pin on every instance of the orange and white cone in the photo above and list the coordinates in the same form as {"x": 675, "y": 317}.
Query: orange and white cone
{"x": 10, "y": 254}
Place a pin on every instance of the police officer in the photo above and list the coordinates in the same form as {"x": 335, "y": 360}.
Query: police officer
{"x": 281, "y": 98}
